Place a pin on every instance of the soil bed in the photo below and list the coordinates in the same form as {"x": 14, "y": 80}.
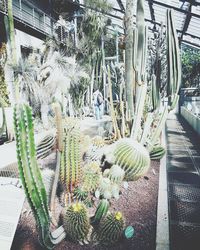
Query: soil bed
{"x": 138, "y": 204}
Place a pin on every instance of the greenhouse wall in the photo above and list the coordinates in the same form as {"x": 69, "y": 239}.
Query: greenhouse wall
{"x": 191, "y": 118}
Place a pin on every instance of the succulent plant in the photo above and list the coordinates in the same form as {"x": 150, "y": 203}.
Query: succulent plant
{"x": 157, "y": 152}
{"x": 71, "y": 158}
{"x": 116, "y": 174}
{"x": 76, "y": 222}
{"x": 131, "y": 156}
{"x": 98, "y": 141}
{"x": 110, "y": 229}
{"x": 101, "y": 211}
{"x": 45, "y": 146}
{"x": 91, "y": 176}
{"x": 30, "y": 172}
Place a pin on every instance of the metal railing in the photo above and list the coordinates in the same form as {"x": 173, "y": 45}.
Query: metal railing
{"x": 30, "y": 15}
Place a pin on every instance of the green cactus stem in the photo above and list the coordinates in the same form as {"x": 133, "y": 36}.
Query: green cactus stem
{"x": 101, "y": 211}
{"x": 70, "y": 169}
{"x": 30, "y": 172}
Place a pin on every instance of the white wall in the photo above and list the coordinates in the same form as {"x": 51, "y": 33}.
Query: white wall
{"x": 26, "y": 40}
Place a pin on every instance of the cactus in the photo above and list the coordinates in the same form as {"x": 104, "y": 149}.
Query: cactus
{"x": 98, "y": 141}
{"x": 30, "y": 172}
{"x": 110, "y": 229}
{"x": 101, "y": 211}
{"x": 59, "y": 125}
{"x": 70, "y": 168}
{"x": 91, "y": 176}
{"x": 157, "y": 152}
{"x": 132, "y": 157}
{"x": 76, "y": 222}
{"x": 173, "y": 61}
{"x": 116, "y": 174}
{"x": 45, "y": 146}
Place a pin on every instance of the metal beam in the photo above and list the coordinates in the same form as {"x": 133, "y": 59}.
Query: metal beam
{"x": 152, "y": 12}
{"x": 121, "y": 5}
{"x": 173, "y": 7}
{"x": 187, "y": 21}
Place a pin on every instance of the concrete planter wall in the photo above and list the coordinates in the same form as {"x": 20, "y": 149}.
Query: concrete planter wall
{"x": 192, "y": 119}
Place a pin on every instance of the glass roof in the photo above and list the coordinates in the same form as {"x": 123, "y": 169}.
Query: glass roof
{"x": 186, "y": 13}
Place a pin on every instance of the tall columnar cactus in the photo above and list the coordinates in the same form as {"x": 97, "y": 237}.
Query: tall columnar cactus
{"x": 110, "y": 229}
{"x": 76, "y": 222}
{"x": 71, "y": 158}
{"x": 30, "y": 172}
{"x": 59, "y": 126}
{"x": 173, "y": 62}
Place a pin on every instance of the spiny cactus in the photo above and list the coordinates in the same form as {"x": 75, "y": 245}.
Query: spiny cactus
{"x": 30, "y": 172}
{"x": 76, "y": 222}
{"x": 91, "y": 176}
{"x": 110, "y": 229}
{"x": 173, "y": 61}
{"x": 132, "y": 157}
{"x": 59, "y": 125}
{"x": 45, "y": 146}
{"x": 71, "y": 157}
{"x": 101, "y": 211}
{"x": 98, "y": 141}
{"x": 157, "y": 152}
{"x": 115, "y": 174}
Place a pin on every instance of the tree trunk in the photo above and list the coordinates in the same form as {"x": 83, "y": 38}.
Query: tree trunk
{"x": 128, "y": 55}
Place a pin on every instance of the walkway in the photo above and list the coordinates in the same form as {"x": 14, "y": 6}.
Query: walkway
{"x": 183, "y": 169}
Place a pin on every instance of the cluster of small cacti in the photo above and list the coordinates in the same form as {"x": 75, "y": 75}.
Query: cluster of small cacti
{"x": 30, "y": 172}
{"x": 91, "y": 175}
{"x": 115, "y": 174}
{"x": 107, "y": 189}
{"x": 71, "y": 158}
{"x": 76, "y": 222}
{"x": 110, "y": 229}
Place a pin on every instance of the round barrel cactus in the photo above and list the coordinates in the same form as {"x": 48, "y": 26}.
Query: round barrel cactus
{"x": 110, "y": 229}
{"x": 76, "y": 222}
{"x": 132, "y": 157}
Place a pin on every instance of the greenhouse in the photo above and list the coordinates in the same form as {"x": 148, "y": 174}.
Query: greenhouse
{"x": 100, "y": 124}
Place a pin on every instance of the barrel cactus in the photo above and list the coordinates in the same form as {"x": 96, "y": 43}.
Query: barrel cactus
{"x": 132, "y": 157}
{"x": 76, "y": 222}
{"x": 157, "y": 152}
{"x": 110, "y": 229}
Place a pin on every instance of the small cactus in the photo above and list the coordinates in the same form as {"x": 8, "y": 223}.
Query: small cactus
{"x": 101, "y": 211}
{"x": 76, "y": 222}
{"x": 91, "y": 176}
{"x": 157, "y": 152}
{"x": 110, "y": 229}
